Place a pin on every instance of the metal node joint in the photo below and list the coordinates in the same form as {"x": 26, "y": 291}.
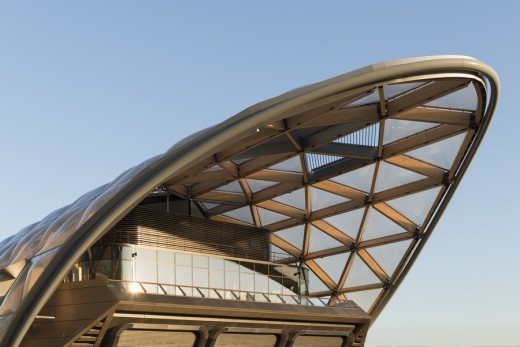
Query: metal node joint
{"x": 416, "y": 234}
{"x": 446, "y": 179}
{"x": 472, "y": 122}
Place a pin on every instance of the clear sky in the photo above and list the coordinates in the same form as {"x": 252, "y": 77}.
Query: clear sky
{"x": 91, "y": 88}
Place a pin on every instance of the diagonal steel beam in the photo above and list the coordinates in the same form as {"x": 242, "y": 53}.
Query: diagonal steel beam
{"x": 333, "y": 232}
{"x": 436, "y": 115}
{"x": 286, "y": 246}
{"x": 426, "y": 94}
{"x": 417, "y": 166}
{"x": 205, "y": 176}
{"x": 373, "y": 265}
{"x": 346, "y": 270}
{"x": 409, "y": 188}
{"x": 277, "y": 176}
{"x": 396, "y": 217}
{"x": 322, "y": 275}
{"x": 361, "y": 288}
{"x": 385, "y": 240}
{"x": 283, "y": 209}
{"x": 341, "y": 190}
{"x": 421, "y": 139}
{"x": 367, "y": 113}
{"x": 224, "y": 197}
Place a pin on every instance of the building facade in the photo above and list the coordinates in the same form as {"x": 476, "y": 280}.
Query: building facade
{"x": 291, "y": 223}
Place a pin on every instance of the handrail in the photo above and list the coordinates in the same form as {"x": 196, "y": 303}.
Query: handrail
{"x": 136, "y": 287}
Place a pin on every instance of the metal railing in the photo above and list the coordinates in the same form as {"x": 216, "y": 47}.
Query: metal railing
{"x": 220, "y": 293}
{"x": 171, "y": 242}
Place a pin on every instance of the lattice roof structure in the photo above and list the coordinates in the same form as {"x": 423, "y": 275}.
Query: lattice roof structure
{"x": 348, "y": 175}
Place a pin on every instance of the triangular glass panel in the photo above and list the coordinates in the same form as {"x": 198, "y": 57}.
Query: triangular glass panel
{"x": 360, "y": 179}
{"x": 213, "y": 168}
{"x": 368, "y": 136}
{"x": 321, "y": 199}
{"x": 295, "y": 199}
{"x": 278, "y": 254}
{"x": 415, "y": 206}
{"x": 388, "y": 256}
{"x": 393, "y": 90}
{"x": 292, "y": 165}
{"x": 315, "y": 284}
{"x": 242, "y": 214}
{"x": 318, "y": 240}
{"x": 365, "y": 299}
{"x": 348, "y": 222}
{"x": 371, "y": 98}
{"x": 209, "y": 205}
{"x": 396, "y": 129}
{"x": 269, "y": 217}
{"x": 441, "y": 153}
{"x": 378, "y": 225}
{"x": 240, "y": 161}
{"x": 333, "y": 265}
{"x": 258, "y": 185}
{"x": 359, "y": 274}
{"x": 232, "y": 187}
{"x": 391, "y": 176}
{"x": 463, "y": 99}
{"x": 315, "y": 161}
{"x": 293, "y": 235}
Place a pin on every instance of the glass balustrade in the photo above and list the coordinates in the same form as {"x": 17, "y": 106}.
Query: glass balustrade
{"x": 139, "y": 269}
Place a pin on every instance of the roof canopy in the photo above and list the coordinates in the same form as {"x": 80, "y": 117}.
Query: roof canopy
{"x": 349, "y": 176}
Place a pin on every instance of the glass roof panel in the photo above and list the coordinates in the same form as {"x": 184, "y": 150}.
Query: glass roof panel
{"x": 347, "y": 222}
{"x": 315, "y": 284}
{"x": 209, "y": 205}
{"x": 333, "y": 265}
{"x": 277, "y": 253}
{"x": 365, "y": 299}
{"x": 465, "y": 98}
{"x": 371, "y": 98}
{"x": 318, "y": 240}
{"x": 258, "y": 185}
{"x": 242, "y": 214}
{"x": 393, "y": 90}
{"x": 388, "y": 256}
{"x": 396, "y": 129}
{"x": 359, "y": 274}
{"x": 415, "y": 206}
{"x": 295, "y": 199}
{"x": 292, "y": 165}
{"x": 293, "y": 235}
{"x": 321, "y": 199}
{"x": 213, "y": 168}
{"x": 391, "y": 176}
{"x": 377, "y": 225}
{"x": 269, "y": 217}
{"x": 360, "y": 179}
{"x": 233, "y": 187}
{"x": 441, "y": 153}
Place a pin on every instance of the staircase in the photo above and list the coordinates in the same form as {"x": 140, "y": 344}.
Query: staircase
{"x": 90, "y": 337}
{"x": 360, "y": 339}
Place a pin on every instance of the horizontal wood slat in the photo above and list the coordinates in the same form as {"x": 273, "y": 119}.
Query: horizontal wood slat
{"x": 161, "y": 229}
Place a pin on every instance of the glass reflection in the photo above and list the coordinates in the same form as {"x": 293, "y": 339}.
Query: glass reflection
{"x": 147, "y": 270}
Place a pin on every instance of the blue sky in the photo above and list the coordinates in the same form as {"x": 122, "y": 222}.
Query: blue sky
{"x": 89, "y": 89}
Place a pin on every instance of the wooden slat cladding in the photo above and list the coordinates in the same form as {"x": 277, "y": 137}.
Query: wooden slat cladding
{"x": 161, "y": 229}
